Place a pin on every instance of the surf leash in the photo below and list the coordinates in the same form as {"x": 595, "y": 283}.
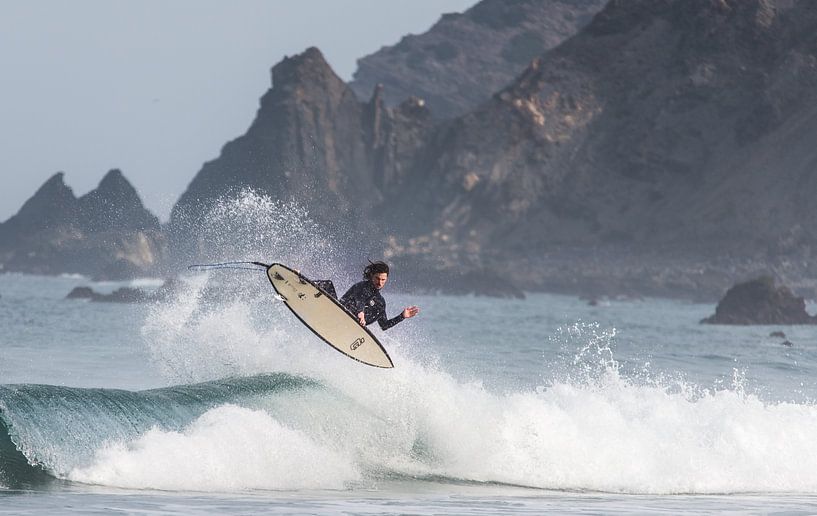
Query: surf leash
{"x": 244, "y": 266}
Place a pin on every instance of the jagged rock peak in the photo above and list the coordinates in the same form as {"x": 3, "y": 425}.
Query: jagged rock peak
{"x": 54, "y": 186}
{"x": 57, "y": 181}
{"x": 115, "y": 205}
{"x": 54, "y": 197}
{"x": 466, "y": 57}
{"x": 114, "y": 180}
{"x": 308, "y": 66}
{"x": 52, "y": 207}
{"x": 116, "y": 188}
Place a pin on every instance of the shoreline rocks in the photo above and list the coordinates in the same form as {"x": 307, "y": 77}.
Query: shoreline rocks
{"x": 120, "y": 295}
{"x": 759, "y": 302}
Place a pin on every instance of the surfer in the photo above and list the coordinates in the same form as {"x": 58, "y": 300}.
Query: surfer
{"x": 364, "y": 300}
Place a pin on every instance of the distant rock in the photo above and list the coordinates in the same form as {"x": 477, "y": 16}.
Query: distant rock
{"x": 106, "y": 233}
{"x": 465, "y": 58}
{"x": 120, "y": 295}
{"x": 82, "y": 293}
{"x": 170, "y": 289}
{"x": 760, "y": 302}
{"x": 52, "y": 209}
{"x": 114, "y": 205}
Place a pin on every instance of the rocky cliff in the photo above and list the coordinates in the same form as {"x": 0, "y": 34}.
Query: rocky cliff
{"x": 665, "y": 148}
{"x": 466, "y": 57}
{"x": 665, "y": 128}
{"x": 313, "y": 142}
{"x": 106, "y": 233}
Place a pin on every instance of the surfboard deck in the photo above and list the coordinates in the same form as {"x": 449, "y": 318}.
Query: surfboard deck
{"x": 326, "y": 317}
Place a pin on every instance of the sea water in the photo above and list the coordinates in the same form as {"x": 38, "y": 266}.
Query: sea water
{"x": 217, "y": 400}
{"x": 542, "y": 404}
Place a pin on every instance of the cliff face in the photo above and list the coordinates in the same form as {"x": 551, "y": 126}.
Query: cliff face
{"x": 648, "y": 150}
{"x": 105, "y": 233}
{"x": 465, "y": 58}
{"x": 663, "y": 131}
{"x": 312, "y": 142}
{"x": 670, "y": 122}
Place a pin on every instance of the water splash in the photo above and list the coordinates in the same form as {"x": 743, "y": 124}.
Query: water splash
{"x": 597, "y": 423}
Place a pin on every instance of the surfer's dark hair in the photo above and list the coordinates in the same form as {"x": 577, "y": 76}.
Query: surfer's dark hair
{"x": 375, "y": 268}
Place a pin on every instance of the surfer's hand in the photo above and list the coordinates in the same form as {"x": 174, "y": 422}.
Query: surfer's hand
{"x": 361, "y": 317}
{"x": 410, "y": 312}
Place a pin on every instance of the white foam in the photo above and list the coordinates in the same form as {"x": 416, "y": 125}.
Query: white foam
{"x": 592, "y": 429}
{"x": 228, "y": 448}
{"x": 599, "y": 431}
{"x": 150, "y": 283}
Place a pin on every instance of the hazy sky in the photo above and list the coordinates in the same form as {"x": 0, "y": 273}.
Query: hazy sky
{"x": 156, "y": 87}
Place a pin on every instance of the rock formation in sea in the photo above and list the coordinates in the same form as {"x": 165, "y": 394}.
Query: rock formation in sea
{"x": 760, "y": 301}
{"x": 466, "y": 57}
{"x": 120, "y": 295}
{"x": 106, "y": 233}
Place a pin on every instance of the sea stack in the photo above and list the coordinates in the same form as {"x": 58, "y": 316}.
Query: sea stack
{"x": 759, "y": 301}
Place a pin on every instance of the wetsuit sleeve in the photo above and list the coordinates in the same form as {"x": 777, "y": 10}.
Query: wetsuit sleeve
{"x": 385, "y": 324}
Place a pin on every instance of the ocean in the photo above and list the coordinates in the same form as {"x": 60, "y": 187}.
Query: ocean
{"x": 218, "y": 400}
{"x": 224, "y": 403}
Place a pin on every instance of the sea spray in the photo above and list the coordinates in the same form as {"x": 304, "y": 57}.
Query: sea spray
{"x": 229, "y": 322}
{"x": 253, "y": 226}
{"x": 594, "y": 423}
{"x": 588, "y": 428}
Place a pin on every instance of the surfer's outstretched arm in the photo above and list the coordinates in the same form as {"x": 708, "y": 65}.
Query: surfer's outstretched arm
{"x": 407, "y": 313}
{"x": 385, "y": 324}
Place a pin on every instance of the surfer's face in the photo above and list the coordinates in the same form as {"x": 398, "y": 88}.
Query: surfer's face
{"x": 379, "y": 280}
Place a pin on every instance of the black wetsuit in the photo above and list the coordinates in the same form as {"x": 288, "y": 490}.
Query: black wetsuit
{"x": 364, "y": 297}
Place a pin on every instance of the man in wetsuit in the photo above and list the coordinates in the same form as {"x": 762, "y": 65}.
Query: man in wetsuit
{"x": 364, "y": 300}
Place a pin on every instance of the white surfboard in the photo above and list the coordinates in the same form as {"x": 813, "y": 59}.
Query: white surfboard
{"x": 326, "y": 317}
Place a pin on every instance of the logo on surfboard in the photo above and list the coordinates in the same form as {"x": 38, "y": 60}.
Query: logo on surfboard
{"x": 357, "y": 343}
